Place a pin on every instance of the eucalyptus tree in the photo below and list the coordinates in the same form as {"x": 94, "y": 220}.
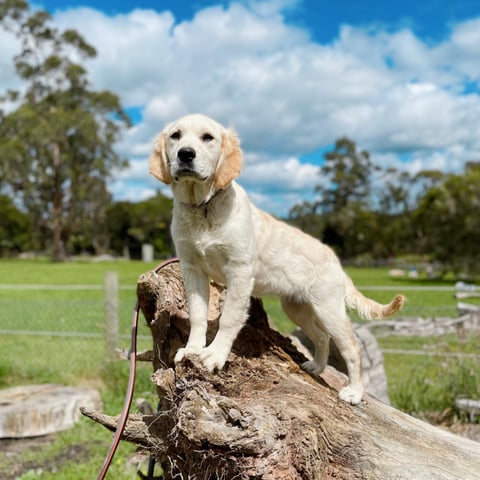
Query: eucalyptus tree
{"x": 57, "y": 142}
{"x": 349, "y": 173}
{"x": 448, "y": 213}
{"x": 345, "y": 198}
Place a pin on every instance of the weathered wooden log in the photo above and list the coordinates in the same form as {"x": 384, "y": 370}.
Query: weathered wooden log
{"x": 263, "y": 417}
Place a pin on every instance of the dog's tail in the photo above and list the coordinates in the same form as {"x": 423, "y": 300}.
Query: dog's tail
{"x": 368, "y": 308}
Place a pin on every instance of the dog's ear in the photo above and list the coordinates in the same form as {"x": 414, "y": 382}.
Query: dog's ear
{"x": 230, "y": 162}
{"x": 159, "y": 166}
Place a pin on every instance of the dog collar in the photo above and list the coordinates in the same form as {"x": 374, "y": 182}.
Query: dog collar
{"x": 206, "y": 204}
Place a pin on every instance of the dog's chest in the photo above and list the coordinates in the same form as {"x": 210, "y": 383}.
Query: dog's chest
{"x": 204, "y": 246}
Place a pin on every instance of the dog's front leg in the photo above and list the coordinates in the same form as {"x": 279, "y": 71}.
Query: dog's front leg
{"x": 233, "y": 318}
{"x": 197, "y": 289}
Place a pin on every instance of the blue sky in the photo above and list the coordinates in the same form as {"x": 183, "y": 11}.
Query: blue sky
{"x": 399, "y": 78}
{"x": 430, "y": 19}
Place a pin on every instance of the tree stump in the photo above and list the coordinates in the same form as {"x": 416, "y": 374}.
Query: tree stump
{"x": 263, "y": 417}
{"x": 34, "y": 410}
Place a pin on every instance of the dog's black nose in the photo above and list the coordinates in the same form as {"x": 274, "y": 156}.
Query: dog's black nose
{"x": 186, "y": 155}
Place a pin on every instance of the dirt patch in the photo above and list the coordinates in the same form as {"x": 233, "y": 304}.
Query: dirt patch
{"x": 13, "y": 451}
{"x": 13, "y": 447}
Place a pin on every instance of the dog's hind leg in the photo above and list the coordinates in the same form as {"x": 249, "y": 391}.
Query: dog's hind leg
{"x": 303, "y": 315}
{"x": 319, "y": 323}
{"x": 336, "y": 322}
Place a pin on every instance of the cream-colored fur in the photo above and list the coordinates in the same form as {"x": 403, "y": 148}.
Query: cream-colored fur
{"x": 219, "y": 234}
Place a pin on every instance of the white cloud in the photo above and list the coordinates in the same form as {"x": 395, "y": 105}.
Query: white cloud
{"x": 280, "y": 175}
{"x": 9, "y": 44}
{"x": 466, "y": 36}
{"x": 276, "y": 203}
{"x": 135, "y": 191}
{"x": 448, "y": 160}
{"x": 286, "y": 95}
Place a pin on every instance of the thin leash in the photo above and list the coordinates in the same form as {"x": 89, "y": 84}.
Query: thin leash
{"x": 131, "y": 382}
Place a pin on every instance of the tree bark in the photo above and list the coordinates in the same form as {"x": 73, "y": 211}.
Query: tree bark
{"x": 263, "y": 417}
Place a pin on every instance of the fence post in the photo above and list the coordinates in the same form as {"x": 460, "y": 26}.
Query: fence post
{"x": 111, "y": 312}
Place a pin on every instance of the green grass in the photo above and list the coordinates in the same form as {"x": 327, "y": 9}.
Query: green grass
{"x": 417, "y": 384}
{"x": 26, "y": 359}
{"x": 423, "y": 384}
{"x": 21, "y": 272}
{"x": 424, "y": 303}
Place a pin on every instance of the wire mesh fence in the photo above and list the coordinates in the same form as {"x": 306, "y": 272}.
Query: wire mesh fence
{"x": 51, "y": 333}
{"x": 59, "y": 333}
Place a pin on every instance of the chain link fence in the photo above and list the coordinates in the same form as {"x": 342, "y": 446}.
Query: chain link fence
{"x": 63, "y": 334}
{"x": 51, "y": 333}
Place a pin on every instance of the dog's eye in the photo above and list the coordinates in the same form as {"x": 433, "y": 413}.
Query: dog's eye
{"x": 206, "y": 137}
{"x": 176, "y": 135}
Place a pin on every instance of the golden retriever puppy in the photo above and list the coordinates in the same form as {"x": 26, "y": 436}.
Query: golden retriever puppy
{"x": 219, "y": 234}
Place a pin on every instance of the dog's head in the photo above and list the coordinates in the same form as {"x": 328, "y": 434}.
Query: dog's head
{"x": 196, "y": 148}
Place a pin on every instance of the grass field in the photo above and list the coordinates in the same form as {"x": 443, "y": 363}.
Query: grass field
{"x": 417, "y": 384}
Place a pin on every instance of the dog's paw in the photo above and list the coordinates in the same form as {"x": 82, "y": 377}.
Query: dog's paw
{"x": 351, "y": 395}
{"x": 186, "y": 352}
{"x": 313, "y": 368}
{"x": 213, "y": 358}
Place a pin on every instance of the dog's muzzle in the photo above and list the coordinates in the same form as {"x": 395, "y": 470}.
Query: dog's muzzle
{"x": 185, "y": 164}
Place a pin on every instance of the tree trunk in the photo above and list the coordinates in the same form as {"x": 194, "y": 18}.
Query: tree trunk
{"x": 58, "y": 247}
{"x": 263, "y": 417}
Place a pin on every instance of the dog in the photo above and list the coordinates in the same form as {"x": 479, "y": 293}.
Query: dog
{"x": 220, "y": 235}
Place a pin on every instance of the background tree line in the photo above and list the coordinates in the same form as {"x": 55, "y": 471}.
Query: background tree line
{"x": 125, "y": 226}
{"x": 366, "y": 211}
